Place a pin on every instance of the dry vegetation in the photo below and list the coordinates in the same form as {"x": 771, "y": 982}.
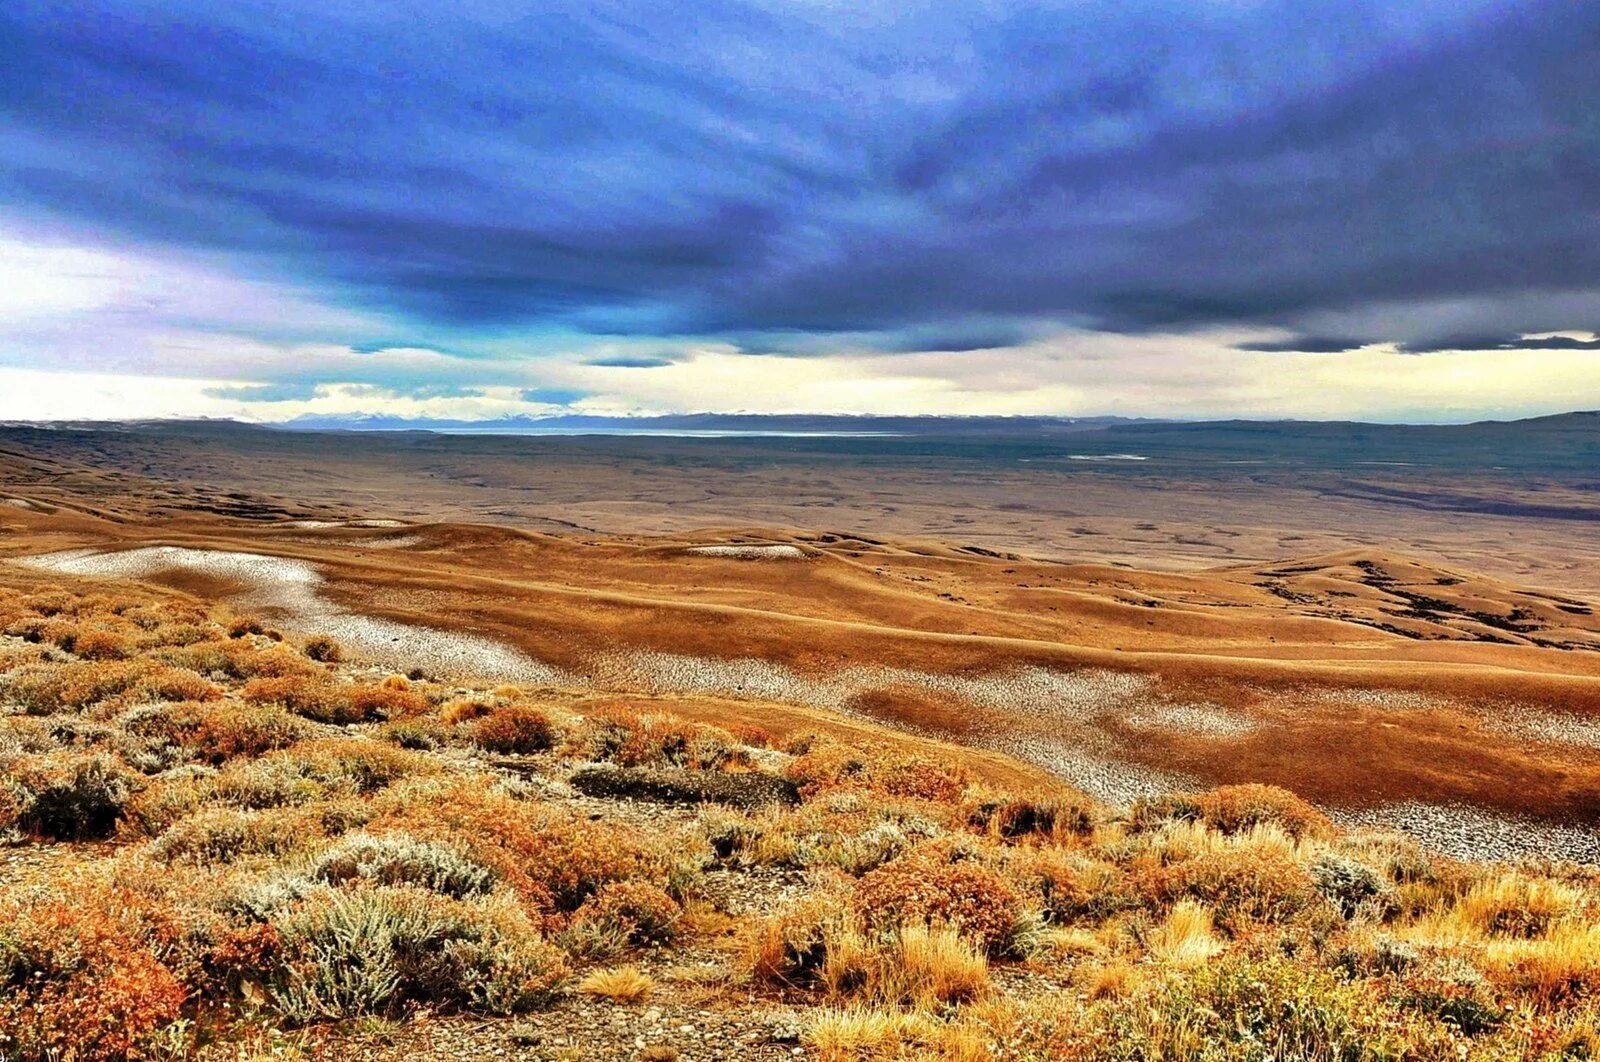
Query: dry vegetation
{"x": 218, "y": 834}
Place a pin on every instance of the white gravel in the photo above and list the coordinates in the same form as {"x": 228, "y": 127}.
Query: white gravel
{"x": 1102, "y": 776}
{"x": 1536, "y": 724}
{"x": 1473, "y": 833}
{"x": 293, "y": 589}
{"x": 1199, "y": 720}
{"x": 750, "y": 552}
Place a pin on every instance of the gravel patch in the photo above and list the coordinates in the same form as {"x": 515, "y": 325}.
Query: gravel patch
{"x": 397, "y": 542}
{"x": 1102, "y": 776}
{"x": 749, "y": 552}
{"x": 293, "y": 588}
{"x": 1200, "y": 720}
{"x": 1390, "y": 700}
{"x": 1477, "y": 834}
{"x": 1560, "y": 728}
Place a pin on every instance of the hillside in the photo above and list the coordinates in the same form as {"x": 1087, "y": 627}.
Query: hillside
{"x": 232, "y": 845}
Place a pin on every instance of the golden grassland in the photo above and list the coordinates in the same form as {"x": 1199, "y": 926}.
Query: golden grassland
{"x": 217, "y": 831}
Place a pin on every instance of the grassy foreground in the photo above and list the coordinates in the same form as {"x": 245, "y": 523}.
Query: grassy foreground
{"x": 224, "y": 844}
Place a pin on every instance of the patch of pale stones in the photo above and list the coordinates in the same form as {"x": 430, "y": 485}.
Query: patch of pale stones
{"x": 750, "y": 552}
{"x": 1206, "y": 720}
{"x": 293, "y": 588}
{"x": 1476, "y": 834}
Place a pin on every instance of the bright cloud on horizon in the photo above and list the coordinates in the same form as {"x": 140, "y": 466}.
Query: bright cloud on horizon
{"x": 1275, "y": 210}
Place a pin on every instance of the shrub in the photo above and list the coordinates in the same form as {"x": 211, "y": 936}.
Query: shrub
{"x": 70, "y": 798}
{"x": 370, "y": 951}
{"x": 221, "y": 835}
{"x": 323, "y": 649}
{"x": 396, "y": 859}
{"x": 78, "y": 982}
{"x": 514, "y": 730}
{"x": 1349, "y": 885}
{"x": 1240, "y": 887}
{"x": 940, "y": 884}
{"x": 1237, "y": 808}
{"x": 631, "y": 912}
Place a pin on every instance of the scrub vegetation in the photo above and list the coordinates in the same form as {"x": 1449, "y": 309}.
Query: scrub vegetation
{"x": 219, "y": 837}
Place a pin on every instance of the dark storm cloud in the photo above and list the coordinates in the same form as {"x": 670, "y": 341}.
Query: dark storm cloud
{"x": 1305, "y": 345}
{"x": 1500, "y": 343}
{"x": 787, "y": 170}
{"x": 624, "y": 361}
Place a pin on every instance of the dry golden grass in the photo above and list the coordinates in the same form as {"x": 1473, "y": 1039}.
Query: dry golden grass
{"x": 620, "y": 984}
{"x": 1186, "y": 939}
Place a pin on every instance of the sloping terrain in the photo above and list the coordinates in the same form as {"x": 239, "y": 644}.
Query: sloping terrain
{"x": 1439, "y": 688}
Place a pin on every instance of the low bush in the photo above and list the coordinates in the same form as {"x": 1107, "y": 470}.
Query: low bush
{"x": 515, "y": 729}
{"x": 371, "y": 951}
{"x": 397, "y": 859}
{"x": 632, "y": 911}
{"x": 77, "y": 980}
{"x": 1241, "y": 888}
{"x": 67, "y": 797}
{"x": 940, "y": 884}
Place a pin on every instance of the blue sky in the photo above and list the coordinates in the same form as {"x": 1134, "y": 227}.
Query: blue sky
{"x": 1192, "y": 209}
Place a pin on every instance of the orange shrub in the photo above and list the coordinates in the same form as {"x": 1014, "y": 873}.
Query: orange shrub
{"x": 102, "y": 645}
{"x": 385, "y": 701}
{"x": 1240, "y": 887}
{"x": 515, "y": 729}
{"x": 1234, "y": 808}
{"x": 79, "y": 983}
{"x": 924, "y": 779}
{"x": 940, "y": 884}
{"x": 635, "y": 911}
{"x": 327, "y": 702}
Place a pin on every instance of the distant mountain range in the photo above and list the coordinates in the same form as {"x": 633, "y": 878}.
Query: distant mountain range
{"x": 715, "y": 423}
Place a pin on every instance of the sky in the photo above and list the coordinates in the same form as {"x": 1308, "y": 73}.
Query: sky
{"x": 1215, "y": 208}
